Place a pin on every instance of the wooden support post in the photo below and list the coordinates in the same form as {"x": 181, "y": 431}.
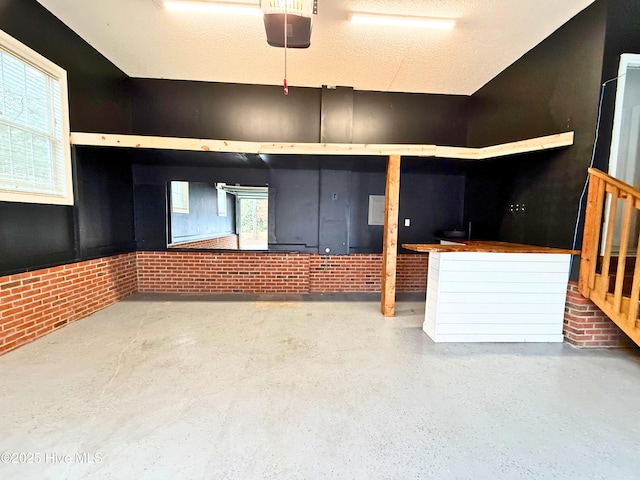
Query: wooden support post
{"x": 592, "y": 225}
{"x": 390, "y": 247}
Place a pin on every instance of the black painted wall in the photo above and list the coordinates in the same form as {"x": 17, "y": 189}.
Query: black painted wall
{"x": 293, "y": 209}
{"x": 553, "y": 88}
{"x": 384, "y": 117}
{"x": 32, "y": 235}
{"x": 203, "y": 220}
{"x": 488, "y": 191}
{"x": 336, "y": 115}
{"x": 365, "y": 238}
{"x": 225, "y": 111}
{"x": 263, "y": 113}
{"x": 104, "y": 199}
{"x": 433, "y": 203}
{"x": 335, "y": 205}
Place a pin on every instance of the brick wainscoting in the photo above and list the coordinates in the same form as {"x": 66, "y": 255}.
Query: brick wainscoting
{"x": 411, "y": 272}
{"x": 348, "y": 273}
{"x": 585, "y": 325}
{"x": 229, "y": 242}
{"x": 33, "y": 304}
{"x": 203, "y": 272}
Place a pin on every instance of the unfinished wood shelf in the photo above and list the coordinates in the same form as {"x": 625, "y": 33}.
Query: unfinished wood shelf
{"x": 191, "y": 144}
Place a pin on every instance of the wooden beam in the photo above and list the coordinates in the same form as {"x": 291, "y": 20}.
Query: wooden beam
{"x": 209, "y": 145}
{"x": 528, "y": 146}
{"x": 511, "y": 148}
{"x": 390, "y": 246}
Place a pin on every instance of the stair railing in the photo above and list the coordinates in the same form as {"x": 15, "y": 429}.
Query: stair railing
{"x": 612, "y": 209}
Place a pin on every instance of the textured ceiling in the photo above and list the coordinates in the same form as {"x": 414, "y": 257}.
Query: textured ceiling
{"x": 145, "y": 40}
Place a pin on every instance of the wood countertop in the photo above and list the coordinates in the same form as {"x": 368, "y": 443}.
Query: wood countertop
{"x": 485, "y": 246}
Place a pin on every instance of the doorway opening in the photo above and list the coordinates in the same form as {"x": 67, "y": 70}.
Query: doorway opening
{"x": 253, "y": 234}
{"x": 624, "y": 157}
{"x": 252, "y": 216}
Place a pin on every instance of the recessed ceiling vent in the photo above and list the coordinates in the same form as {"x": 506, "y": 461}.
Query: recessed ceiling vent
{"x": 296, "y": 14}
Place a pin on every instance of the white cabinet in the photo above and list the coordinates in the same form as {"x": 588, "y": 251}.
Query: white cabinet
{"x": 496, "y": 297}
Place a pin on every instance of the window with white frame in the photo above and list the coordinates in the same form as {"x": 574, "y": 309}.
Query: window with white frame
{"x": 35, "y": 158}
{"x": 180, "y": 197}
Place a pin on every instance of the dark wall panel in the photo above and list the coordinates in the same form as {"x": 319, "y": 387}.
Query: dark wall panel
{"x": 263, "y": 113}
{"x": 105, "y": 201}
{"x": 553, "y": 88}
{"x": 488, "y": 188}
{"x": 34, "y": 236}
{"x": 293, "y": 209}
{"x": 150, "y": 203}
{"x": 365, "y": 238}
{"x": 432, "y": 203}
{"x": 225, "y": 111}
{"x": 336, "y": 117}
{"x": 335, "y": 203}
{"x": 383, "y": 117}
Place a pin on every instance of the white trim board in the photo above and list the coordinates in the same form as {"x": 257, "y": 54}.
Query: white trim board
{"x": 209, "y": 145}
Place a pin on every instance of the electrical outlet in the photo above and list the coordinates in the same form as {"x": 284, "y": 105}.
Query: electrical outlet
{"x": 407, "y": 222}
{"x": 517, "y": 208}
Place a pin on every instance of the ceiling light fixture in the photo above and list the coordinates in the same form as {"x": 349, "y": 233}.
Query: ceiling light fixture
{"x": 228, "y": 8}
{"x": 402, "y": 21}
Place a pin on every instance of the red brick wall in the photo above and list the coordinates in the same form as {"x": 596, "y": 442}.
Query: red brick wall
{"x": 348, "y": 273}
{"x": 363, "y": 273}
{"x": 229, "y": 242}
{"x": 411, "y": 272}
{"x": 35, "y": 303}
{"x": 202, "y": 272}
{"x": 585, "y": 325}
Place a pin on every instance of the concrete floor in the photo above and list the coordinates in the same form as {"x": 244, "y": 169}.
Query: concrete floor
{"x": 184, "y": 387}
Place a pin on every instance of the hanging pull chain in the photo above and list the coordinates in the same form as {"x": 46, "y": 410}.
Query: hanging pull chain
{"x": 286, "y": 87}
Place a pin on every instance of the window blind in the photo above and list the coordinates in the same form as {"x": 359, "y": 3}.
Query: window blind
{"x": 32, "y": 153}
